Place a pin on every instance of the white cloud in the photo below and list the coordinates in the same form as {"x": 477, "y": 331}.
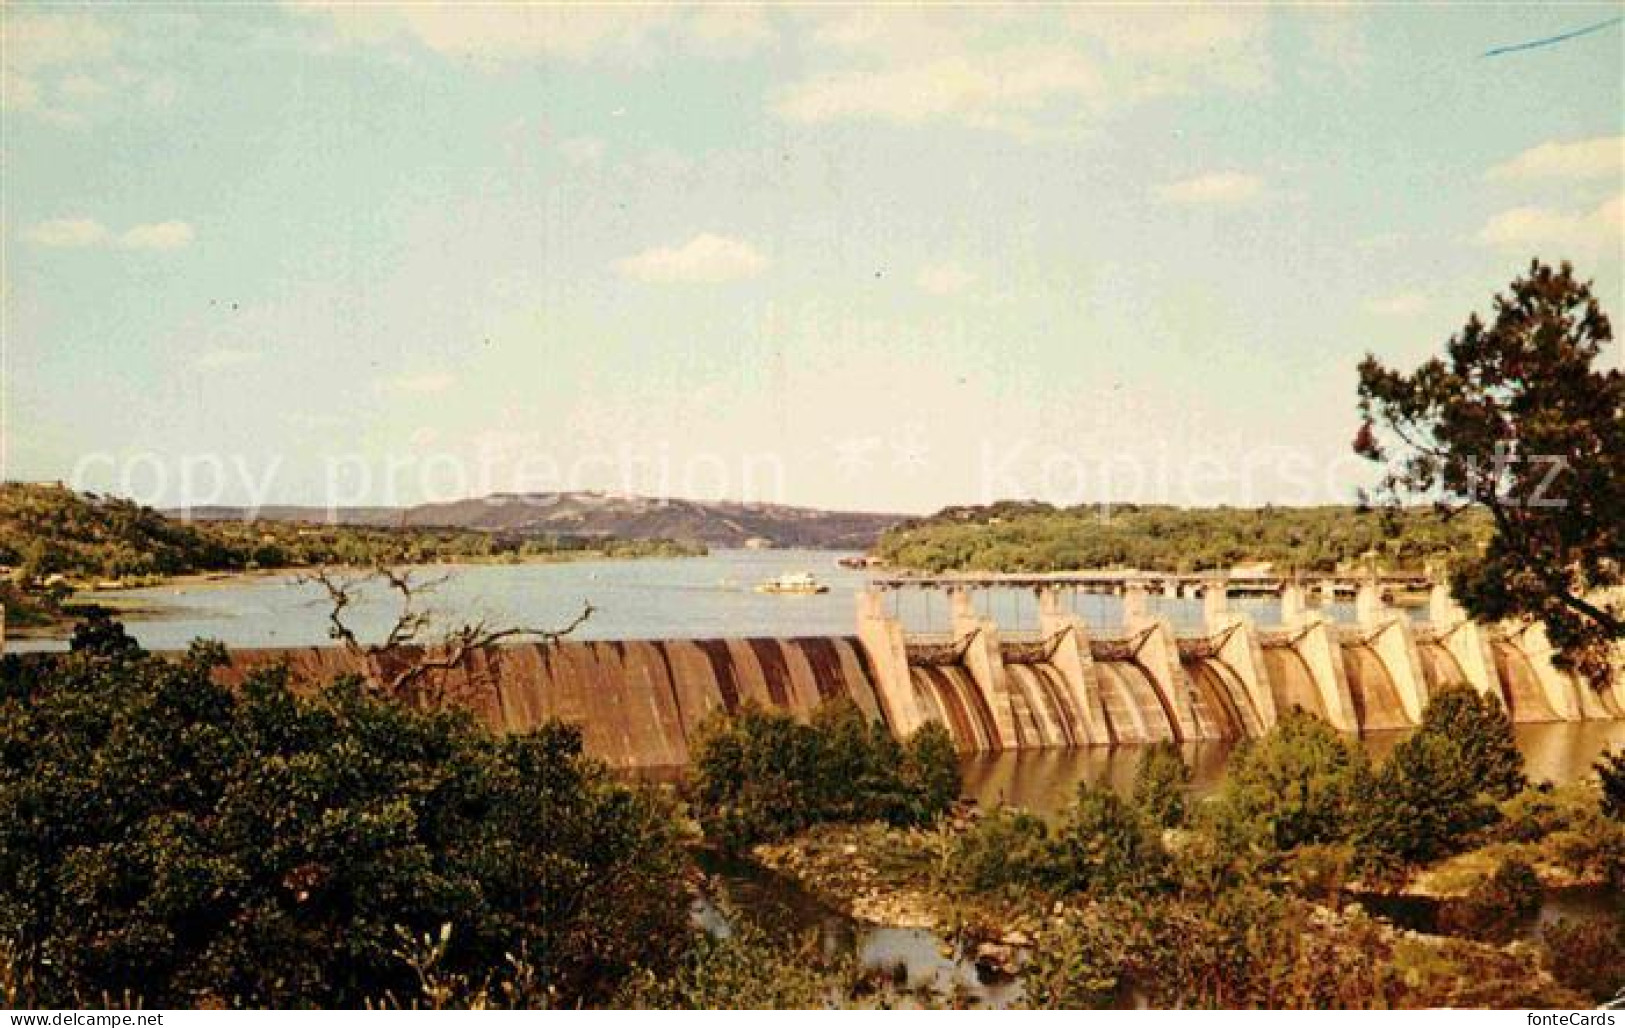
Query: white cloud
{"x": 1003, "y": 90}
{"x": 1221, "y": 188}
{"x": 1029, "y": 72}
{"x": 162, "y": 235}
{"x": 63, "y": 67}
{"x": 705, "y": 258}
{"x": 67, "y": 232}
{"x": 227, "y": 357}
{"x": 943, "y": 279}
{"x": 430, "y": 383}
{"x": 494, "y": 34}
{"x": 1602, "y": 157}
{"x": 1597, "y": 231}
{"x": 87, "y": 232}
{"x": 583, "y": 150}
{"x": 1398, "y": 305}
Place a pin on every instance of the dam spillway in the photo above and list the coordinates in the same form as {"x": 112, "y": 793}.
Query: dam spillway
{"x": 639, "y": 703}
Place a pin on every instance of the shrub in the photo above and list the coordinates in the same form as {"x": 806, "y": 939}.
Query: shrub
{"x": 1104, "y": 845}
{"x": 743, "y": 970}
{"x": 1481, "y": 730}
{"x": 1538, "y": 812}
{"x": 165, "y": 838}
{"x": 758, "y": 775}
{"x": 1422, "y": 803}
{"x": 1496, "y": 905}
{"x": 1160, "y": 782}
{"x": 1588, "y": 956}
{"x": 1083, "y": 965}
{"x": 1006, "y": 850}
{"x": 1610, "y": 769}
{"x": 1245, "y": 948}
{"x": 1298, "y": 785}
{"x": 931, "y": 769}
{"x": 1321, "y": 871}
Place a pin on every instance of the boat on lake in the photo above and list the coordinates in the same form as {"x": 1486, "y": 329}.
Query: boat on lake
{"x": 793, "y": 583}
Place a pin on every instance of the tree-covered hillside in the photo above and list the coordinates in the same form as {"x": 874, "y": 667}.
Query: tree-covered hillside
{"x": 1038, "y": 537}
{"x": 52, "y": 539}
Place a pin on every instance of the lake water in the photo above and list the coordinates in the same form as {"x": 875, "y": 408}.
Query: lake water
{"x": 689, "y": 597}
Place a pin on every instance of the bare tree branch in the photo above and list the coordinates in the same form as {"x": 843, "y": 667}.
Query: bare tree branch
{"x": 403, "y": 664}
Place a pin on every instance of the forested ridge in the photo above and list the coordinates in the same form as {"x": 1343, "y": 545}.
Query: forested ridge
{"x": 1037, "y": 537}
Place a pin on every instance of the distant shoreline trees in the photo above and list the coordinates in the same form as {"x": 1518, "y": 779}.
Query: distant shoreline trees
{"x": 1037, "y": 537}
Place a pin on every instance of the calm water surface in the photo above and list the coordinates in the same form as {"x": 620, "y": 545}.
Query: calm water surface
{"x": 1046, "y": 780}
{"x": 690, "y": 597}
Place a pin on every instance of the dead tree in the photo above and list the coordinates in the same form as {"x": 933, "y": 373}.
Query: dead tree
{"x": 409, "y": 664}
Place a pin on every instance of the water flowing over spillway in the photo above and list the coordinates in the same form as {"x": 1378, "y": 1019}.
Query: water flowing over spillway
{"x": 948, "y": 694}
{"x": 1223, "y": 708}
{"x": 1440, "y": 667}
{"x": 637, "y": 702}
{"x": 1377, "y": 705}
{"x": 1044, "y": 714}
{"x": 1291, "y": 682}
{"x": 1520, "y": 687}
{"x": 1135, "y": 711}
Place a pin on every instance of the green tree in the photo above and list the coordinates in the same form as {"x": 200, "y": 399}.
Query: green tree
{"x": 1610, "y": 769}
{"x": 1008, "y": 850}
{"x": 1496, "y": 905}
{"x": 1421, "y": 803}
{"x": 1300, "y": 784}
{"x": 1161, "y": 780}
{"x": 1587, "y": 955}
{"x": 931, "y": 769}
{"x": 1439, "y": 784}
{"x": 1519, "y": 419}
{"x": 757, "y": 775}
{"x": 181, "y": 843}
{"x": 1481, "y": 728}
{"x": 1105, "y": 845}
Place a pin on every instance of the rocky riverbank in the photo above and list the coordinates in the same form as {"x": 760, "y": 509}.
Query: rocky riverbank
{"x": 898, "y": 878}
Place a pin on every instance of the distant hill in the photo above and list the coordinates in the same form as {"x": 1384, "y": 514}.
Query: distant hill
{"x": 590, "y": 515}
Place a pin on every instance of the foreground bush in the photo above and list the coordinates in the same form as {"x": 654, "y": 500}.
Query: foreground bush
{"x": 744, "y": 969}
{"x": 1611, "y": 776}
{"x": 1103, "y": 846}
{"x": 1301, "y": 784}
{"x": 1245, "y": 948}
{"x": 758, "y": 775}
{"x": 1481, "y": 730}
{"x": 1161, "y": 780}
{"x": 1587, "y": 956}
{"x": 1496, "y": 905}
{"x": 1440, "y": 784}
{"x": 1006, "y": 851}
{"x": 169, "y": 840}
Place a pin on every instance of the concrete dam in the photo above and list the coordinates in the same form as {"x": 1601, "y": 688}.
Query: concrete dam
{"x": 639, "y": 703}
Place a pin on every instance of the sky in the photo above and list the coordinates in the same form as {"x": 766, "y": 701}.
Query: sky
{"x": 882, "y": 258}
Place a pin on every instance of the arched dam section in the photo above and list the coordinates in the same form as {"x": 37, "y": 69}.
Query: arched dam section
{"x": 639, "y": 703}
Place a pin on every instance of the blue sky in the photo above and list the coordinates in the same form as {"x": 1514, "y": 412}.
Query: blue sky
{"x": 880, "y": 258}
